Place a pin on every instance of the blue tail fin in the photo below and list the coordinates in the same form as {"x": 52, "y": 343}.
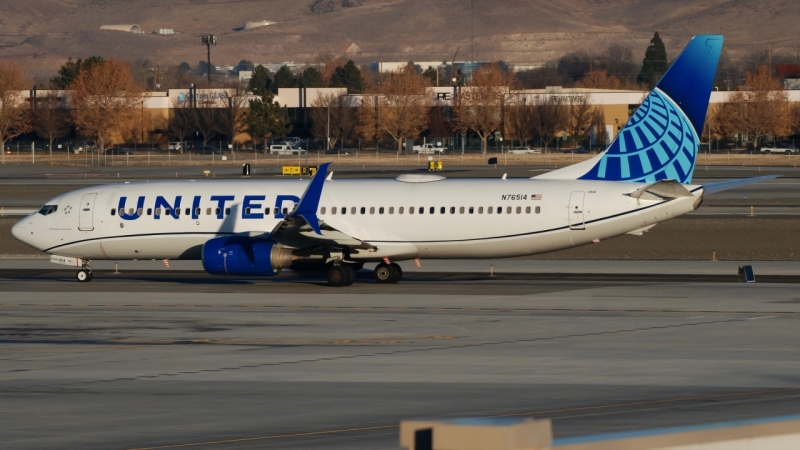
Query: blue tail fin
{"x": 661, "y": 140}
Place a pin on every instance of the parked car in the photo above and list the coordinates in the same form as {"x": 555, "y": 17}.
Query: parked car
{"x": 787, "y": 149}
{"x": 525, "y": 151}
{"x": 429, "y": 149}
{"x": 177, "y": 146}
{"x": 285, "y": 149}
{"x": 290, "y": 141}
{"x": 337, "y": 151}
{"x": 84, "y": 146}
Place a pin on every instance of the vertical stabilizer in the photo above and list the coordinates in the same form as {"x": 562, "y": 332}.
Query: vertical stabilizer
{"x": 661, "y": 140}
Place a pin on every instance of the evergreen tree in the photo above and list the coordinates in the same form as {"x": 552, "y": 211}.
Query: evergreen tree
{"x": 348, "y": 76}
{"x": 267, "y": 119}
{"x": 261, "y": 82}
{"x": 184, "y": 67}
{"x": 655, "y": 62}
{"x": 284, "y": 78}
{"x": 71, "y": 69}
{"x": 245, "y": 64}
{"x": 430, "y": 73}
{"x": 311, "y": 78}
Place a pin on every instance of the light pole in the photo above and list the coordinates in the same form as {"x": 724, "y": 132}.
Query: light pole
{"x": 208, "y": 40}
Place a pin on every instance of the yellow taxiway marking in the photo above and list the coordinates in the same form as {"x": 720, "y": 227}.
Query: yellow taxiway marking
{"x": 548, "y": 411}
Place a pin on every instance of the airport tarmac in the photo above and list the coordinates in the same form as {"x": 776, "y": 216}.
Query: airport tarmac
{"x": 156, "y": 359}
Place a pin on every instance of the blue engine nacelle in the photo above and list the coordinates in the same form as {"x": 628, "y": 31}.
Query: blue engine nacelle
{"x": 239, "y": 255}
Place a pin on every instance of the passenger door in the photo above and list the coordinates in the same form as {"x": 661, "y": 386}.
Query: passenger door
{"x": 576, "y": 211}
{"x": 86, "y": 222}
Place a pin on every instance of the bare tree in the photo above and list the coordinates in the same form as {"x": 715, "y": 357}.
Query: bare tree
{"x": 550, "y": 117}
{"x": 438, "y": 123}
{"x": 332, "y": 118}
{"x": 181, "y": 121}
{"x": 205, "y": 120}
{"x": 479, "y": 106}
{"x": 232, "y": 118}
{"x": 760, "y": 108}
{"x": 49, "y": 119}
{"x": 401, "y": 105}
{"x": 14, "y": 119}
{"x": 580, "y": 116}
{"x": 520, "y": 116}
{"x": 104, "y": 101}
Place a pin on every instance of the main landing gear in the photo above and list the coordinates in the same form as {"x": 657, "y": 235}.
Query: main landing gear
{"x": 388, "y": 273}
{"x": 341, "y": 275}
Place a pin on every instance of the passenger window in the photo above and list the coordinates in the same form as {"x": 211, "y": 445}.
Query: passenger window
{"x": 471, "y": 209}
{"x": 266, "y": 211}
{"x": 121, "y": 211}
{"x": 322, "y": 210}
{"x": 421, "y": 210}
{"x": 149, "y": 211}
{"x": 344, "y": 210}
{"x": 480, "y": 210}
{"x": 433, "y": 209}
{"x": 538, "y": 209}
{"x": 177, "y": 212}
{"x": 372, "y": 210}
{"x": 527, "y": 210}
{"x": 442, "y": 210}
{"x": 333, "y": 210}
{"x": 508, "y": 210}
{"x": 158, "y": 211}
{"x": 167, "y": 211}
{"x": 285, "y": 211}
{"x": 489, "y": 210}
{"x": 363, "y": 210}
{"x": 188, "y": 211}
{"x": 113, "y": 212}
{"x": 139, "y": 212}
{"x": 519, "y": 209}
{"x": 380, "y": 210}
{"x": 352, "y": 210}
{"x": 391, "y": 210}
{"x": 247, "y": 211}
{"x": 411, "y": 210}
{"x": 400, "y": 210}
{"x": 197, "y": 211}
{"x": 461, "y": 210}
{"x": 499, "y": 210}
{"x": 452, "y": 210}
{"x": 217, "y": 211}
{"x": 130, "y": 211}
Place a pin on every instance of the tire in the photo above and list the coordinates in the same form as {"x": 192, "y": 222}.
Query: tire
{"x": 383, "y": 273}
{"x": 397, "y": 273}
{"x": 342, "y": 275}
{"x": 84, "y": 276}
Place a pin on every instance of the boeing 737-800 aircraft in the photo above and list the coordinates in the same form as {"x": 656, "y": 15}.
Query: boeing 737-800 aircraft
{"x": 258, "y": 227}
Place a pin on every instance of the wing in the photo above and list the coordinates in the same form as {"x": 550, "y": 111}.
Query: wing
{"x": 301, "y": 228}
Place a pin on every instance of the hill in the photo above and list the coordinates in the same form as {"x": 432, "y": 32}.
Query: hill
{"x": 41, "y": 34}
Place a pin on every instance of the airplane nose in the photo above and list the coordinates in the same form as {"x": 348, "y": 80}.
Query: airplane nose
{"x": 20, "y": 231}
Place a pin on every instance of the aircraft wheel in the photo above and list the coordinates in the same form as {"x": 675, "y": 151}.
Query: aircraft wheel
{"x": 84, "y": 276}
{"x": 383, "y": 273}
{"x": 341, "y": 276}
{"x": 397, "y": 272}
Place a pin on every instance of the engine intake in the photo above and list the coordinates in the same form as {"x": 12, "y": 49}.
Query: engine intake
{"x": 239, "y": 255}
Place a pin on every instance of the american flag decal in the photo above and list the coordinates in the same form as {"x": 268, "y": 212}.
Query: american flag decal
{"x": 536, "y": 196}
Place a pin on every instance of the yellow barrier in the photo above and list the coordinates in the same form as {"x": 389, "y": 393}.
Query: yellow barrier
{"x": 299, "y": 170}
{"x": 434, "y": 165}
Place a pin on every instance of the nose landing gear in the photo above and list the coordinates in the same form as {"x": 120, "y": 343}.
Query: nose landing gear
{"x": 84, "y": 275}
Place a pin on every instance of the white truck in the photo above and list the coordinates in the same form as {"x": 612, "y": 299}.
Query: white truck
{"x": 429, "y": 149}
{"x": 286, "y": 150}
{"x": 780, "y": 149}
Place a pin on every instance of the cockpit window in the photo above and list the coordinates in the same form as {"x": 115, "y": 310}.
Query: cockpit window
{"x": 48, "y": 209}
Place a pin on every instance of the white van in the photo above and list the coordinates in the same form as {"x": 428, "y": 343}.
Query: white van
{"x": 285, "y": 149}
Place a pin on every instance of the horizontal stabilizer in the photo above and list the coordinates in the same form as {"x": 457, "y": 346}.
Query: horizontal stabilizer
{"x": 713, "y": 188}
{"x": 661, "y": 190}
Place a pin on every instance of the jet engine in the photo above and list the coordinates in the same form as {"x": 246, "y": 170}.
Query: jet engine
{"x": 240, "y": 255}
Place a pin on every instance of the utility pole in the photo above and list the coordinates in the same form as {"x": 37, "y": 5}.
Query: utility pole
{"x": 472, "y": 31}
{"x": 208, "y": 40}
{"x": 157, "y": 72}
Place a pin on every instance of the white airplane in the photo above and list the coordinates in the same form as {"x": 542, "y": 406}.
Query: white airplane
{"x": 258, "y": 227}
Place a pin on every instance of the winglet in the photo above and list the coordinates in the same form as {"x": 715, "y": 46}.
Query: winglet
{"x": 307, "y": 208}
